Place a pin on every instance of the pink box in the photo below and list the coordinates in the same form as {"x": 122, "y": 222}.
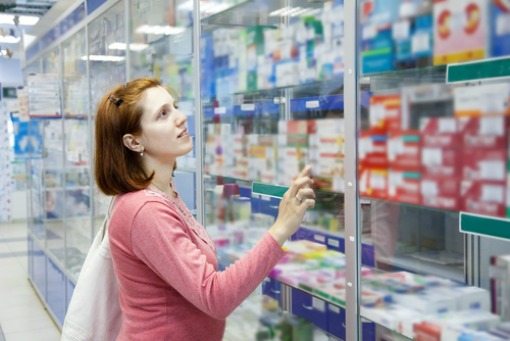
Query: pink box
{"x": 460, "y": 30}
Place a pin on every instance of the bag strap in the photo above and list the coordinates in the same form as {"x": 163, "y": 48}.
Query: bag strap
{"x": 107, "y": 218}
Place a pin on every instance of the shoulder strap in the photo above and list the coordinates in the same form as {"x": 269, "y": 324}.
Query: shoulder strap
{"x": 108, "y": 213}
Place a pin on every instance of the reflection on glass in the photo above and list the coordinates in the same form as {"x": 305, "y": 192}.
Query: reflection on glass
{"x": 107, "y": 65}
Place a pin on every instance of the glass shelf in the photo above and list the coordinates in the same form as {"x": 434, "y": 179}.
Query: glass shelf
{"x": 248, "y": 182}
{"x": 257, "y": 12}
{"x": 396, "y": 79}
{"x": 331, "y": 86}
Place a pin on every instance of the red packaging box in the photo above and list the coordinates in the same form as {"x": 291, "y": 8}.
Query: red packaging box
{"x": 373, "y": 182}
{"x": 404, "y": 150}
{"x": 440, "y": 192}
{"x": 404, "y": 186}
{"x": 484, "y": 132}
{"x": 440, "y": 132}
{"x": 385, "y": 111}
{"x": 483, "y": 197}
{"x": 484, "y": 165}
{"x": 373, "y": 149}
{"x": 441, "y": 162}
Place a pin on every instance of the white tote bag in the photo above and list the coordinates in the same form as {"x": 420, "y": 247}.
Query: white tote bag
{"x": 94, "y": 311}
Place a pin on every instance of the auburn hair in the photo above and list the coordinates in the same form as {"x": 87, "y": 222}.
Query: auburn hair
{"x": 117, "y": 169}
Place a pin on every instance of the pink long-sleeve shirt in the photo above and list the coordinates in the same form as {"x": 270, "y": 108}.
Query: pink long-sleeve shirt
{"x": 166, "y": 266}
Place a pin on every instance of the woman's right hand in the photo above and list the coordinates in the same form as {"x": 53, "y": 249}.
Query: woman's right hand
{"x": 298, "y": 198}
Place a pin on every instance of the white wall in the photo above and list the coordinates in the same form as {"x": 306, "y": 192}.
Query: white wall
{"x": 10, "y": 72}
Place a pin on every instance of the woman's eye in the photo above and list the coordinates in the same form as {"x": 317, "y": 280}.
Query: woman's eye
{"x": 164, "y": 113}
{"x": 176, "y": 106}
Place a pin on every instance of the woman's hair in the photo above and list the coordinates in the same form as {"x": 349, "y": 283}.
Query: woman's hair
{"x": 118, "y": 169}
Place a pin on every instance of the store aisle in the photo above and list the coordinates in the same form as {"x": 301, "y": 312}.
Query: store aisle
{"x": 22, "y": 315}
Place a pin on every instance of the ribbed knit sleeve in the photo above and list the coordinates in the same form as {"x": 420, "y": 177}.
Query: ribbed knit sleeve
{"x": 162, "y": 241}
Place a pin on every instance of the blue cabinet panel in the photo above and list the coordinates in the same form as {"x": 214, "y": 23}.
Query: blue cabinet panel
{"x": 336, "y": 321}
{"x": 272, "y": 288}
{"x": 310, "y": 308}
{"x": 56, "y": 294}
{"x": 39, "y": 269}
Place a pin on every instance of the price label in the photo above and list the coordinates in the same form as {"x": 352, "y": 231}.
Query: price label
{"x": 318, "y": 304}
{"x": 312, "y": 104}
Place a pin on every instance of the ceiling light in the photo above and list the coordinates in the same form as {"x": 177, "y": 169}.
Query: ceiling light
{"x": 132, "y": 46}
{"x": 25, "y": 20}
{"x": 9, "y": 40}
{"x": 103, "y": 58}
{"x": 155, "y": 29}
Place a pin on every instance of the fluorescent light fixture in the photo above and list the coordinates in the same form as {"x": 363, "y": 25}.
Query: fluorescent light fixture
{"x": 206, "y": 7}
{"x": 294, "y": 11}
{"x": 103, "y": 58}
{"x": 155, "y": 29}
{"x": 132, "y": 46}
{"x": 25, "y": 20}
{"x": 9, "y": 40}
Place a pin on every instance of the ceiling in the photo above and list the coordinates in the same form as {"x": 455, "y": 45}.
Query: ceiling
{"x": 19, "y": 7}
{"x": 37, "y": 7}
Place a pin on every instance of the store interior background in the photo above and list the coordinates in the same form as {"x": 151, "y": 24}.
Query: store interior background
{"x": 231, "y": 205}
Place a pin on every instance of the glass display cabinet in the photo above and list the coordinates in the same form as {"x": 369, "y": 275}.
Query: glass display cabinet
{"x": 400, "y": 107}
{"x": 272, "y": 102}
{"x": 432, "y": 169}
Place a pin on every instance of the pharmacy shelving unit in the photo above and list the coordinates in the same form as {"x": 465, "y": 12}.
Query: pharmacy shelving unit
{"x": 401, "y": 115}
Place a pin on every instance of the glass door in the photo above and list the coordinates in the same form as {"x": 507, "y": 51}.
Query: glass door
{"x": 432, "y": 144}
{"x": 272, "y": 102}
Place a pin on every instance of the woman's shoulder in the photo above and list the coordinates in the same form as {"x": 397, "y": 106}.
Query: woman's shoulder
{"x": 134, "y": 201}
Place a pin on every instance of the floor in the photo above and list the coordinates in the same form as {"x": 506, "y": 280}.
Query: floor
{"x": 22, "y": 315}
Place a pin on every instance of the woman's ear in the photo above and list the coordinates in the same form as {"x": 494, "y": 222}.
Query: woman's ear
{"x": 132, "y": 143}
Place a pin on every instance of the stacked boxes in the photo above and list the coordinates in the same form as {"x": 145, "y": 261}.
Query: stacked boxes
{"x": 484, "y": 143}
{"x": 404, "y": 166}
{"x": 440, "y": 159}
{"x": 326, "y": 153}
{"x": 292, "y": 149}
{"x": 262, "y": 157}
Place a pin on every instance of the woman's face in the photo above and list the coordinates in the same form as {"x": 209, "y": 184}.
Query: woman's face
{"x": 164, "y": 132}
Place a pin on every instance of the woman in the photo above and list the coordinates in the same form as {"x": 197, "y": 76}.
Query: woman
{"x": 164, "y": 261}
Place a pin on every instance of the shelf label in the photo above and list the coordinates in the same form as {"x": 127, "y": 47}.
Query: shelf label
{"x": 220, "y": 111}
{"x": 312, "y": 104}
{"x": 268, "y": 190}
{"x": 333, "y": 242}
{"x": 319, "y": 238}
{"x": 248, "y": 107}
{"x": 480, "y": 70}
{"x": 484, "y": 225}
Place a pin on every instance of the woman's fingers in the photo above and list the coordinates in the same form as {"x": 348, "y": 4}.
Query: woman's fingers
{"x": 298, "y": 184}
{"x": 305, "y": 193}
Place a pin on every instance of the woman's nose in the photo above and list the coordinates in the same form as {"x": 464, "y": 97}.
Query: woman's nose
{"x": 181, "y": 119}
